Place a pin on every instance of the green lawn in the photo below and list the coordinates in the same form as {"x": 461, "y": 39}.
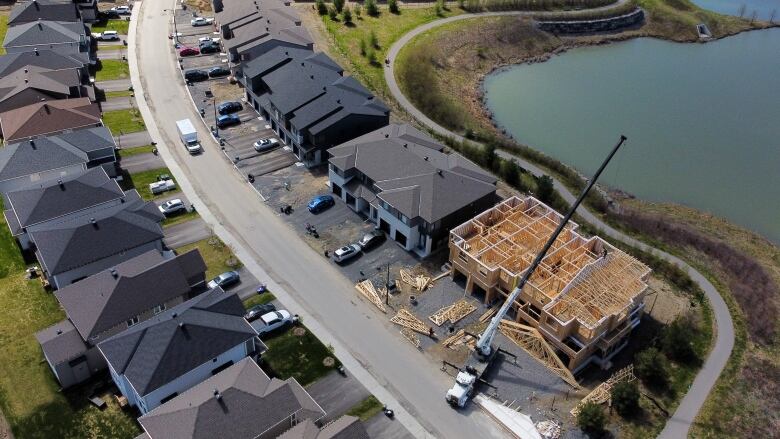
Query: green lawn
{"x": 301, "y": 357}
{"x": 3, "y": 30}
{"x": 29, "y": 395}
{"x": 112, "y": 47}
{"x": 366, "y": 409}
{"x": 109, "y": 69}
{"x": 124, "y": 121}
{"x": 141, "y": 180}
{"x": 118, "y": 94}
{"x": 180, "y": 218}
{"x": 127, "y": 152}
{"x": 216, "y": 254}
{"x": 258, "y": 299}
{"x": 120, "y": 25}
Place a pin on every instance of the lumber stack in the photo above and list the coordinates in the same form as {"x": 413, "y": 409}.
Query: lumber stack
{"x": 411, "y": 336}
{"x": 454, "y": 313}
{"x": 409, "y": 320}
{"x": 488, "y": 315}
{"x": 441, "y": 315}
{"x": 603, "y": 393}
{"x": 367, "y": 290}
{"x": 419, "y": 282}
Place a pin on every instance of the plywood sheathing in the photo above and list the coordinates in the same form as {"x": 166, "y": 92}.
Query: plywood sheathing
{"x": 603, "y": 392}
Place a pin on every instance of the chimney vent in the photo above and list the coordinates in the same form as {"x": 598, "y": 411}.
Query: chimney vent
{"x": 174, "y": 315}
{"x": 93, "y": 222}
{"x": 387, "y": 135}
{"x": 426, "y": 158}
{"x": 59, "y": 332}
{"x": 406, "y": 145}
{"x": 438, "y": 171}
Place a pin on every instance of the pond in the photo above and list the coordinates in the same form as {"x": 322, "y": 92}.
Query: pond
{"x": 702, "y": 120}
{"x": 762, "y": 8}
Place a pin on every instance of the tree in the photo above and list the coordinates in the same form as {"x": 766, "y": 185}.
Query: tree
{"x": 677, "y": 340}
{"x": 545, "y": 188}
{"x": 373, "y": 39}
{"x": 652, "y": 366}
{"x": 371, "y": 8}
{"x": 339, "y": 5}
{"x": 371, "y": 56}
{"x": 321, "y": 8}
{"x": 510, "y": 172}
{"x": 333, "y": 14}
{"x": 625, "y": 398}
{"x": 358, "y": 10}
{"x": 362, "y": 47}
{"x": 591, "y": 418}
{"x": 346, "y": 15}
{"x": 437, "y": 9}
{"x": 392, "y": 5}
{"x": 489, "y": 157}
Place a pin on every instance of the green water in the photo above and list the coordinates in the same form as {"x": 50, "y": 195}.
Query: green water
{"x": 702, "y": 120}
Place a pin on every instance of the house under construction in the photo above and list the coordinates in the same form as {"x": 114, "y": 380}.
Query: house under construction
{"x": 584, "y": 298}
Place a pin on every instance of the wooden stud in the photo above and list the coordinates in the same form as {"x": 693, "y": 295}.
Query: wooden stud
{"x": 530, "y": 340}
{"x": 409, "y": 320}
{"x": 366, "y": 288}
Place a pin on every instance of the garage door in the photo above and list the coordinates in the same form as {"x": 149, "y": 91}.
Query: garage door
{"x": 336, "y": 190}
{"x": 400, "y": 238}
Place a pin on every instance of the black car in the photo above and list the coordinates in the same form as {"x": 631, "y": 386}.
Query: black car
{"x": 229, "y": 107}
{"x": 228, "y": 120}
{"x": 195, "y": 75}
{"x": 371, "y": 239}
{"x": 209, "y": 48}
{"x": 107, "y": 14}
{"x": 257, "y": 311}
{"x": 218, "y": 72}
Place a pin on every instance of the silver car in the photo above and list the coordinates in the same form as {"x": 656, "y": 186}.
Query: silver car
{"x": 172, "y": 206}
{"x": 346, "y": 252}
{"x": 267, "y": 144}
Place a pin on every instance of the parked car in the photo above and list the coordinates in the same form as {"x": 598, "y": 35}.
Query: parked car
{"x": 320, "y": 203}
{"x": 109, "y": 35}
{"x": 218, "y": 72}
{"x": 228, "y": 120}
{"x": 161, "y": 186}
{"x": 201, "y": 21}
{"x": 346, "y": 252}
{"x": 371, "y": 239}
{"x": 272, "y": 321}
{"x": 171, "y": 207}
{"x": 209, "y": 40}
{"x": 209, "y": 48}
{"x": 188, "y": 51}
{"x": 229, "y": 107}
{"x": 225, "y": 279}
{"x": 107, "y": 14}
{"x": 256, "y": 311}
{"x": 266, "y": 144}
{"x": 122, "y": 10}
{"x": 195, "y": 75}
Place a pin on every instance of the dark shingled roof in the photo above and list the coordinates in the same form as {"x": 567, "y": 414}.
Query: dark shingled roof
{"x": 25, "y": 87}
{"x": 345, "y": 427}
{"x": 163, "y": 348}
{"x": 300, "y": 81}
{"x": 45, "y": 32}
{"x": 76, "y": 242}
{"x": 46, "y": 59}
{"x": 249, "y": 404}
{"x": 49, "y": 117}
{"x": 61, "y": 342}
{"x": 54, "y": 200}
{"x": 27, "y": 11}
{"x": 413, "y": 174}
{"x": 103, "y": 300}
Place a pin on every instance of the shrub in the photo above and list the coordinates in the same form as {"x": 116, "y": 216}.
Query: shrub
{"x": 591, "y": 418}
{"x": 652, "y": 367}
{"x": 362, "y": 47}
{"x": 358, "y": 10}
{"x": 373, "y": 39}
{"x": 677, "y": 341}
{"x": 625, "y": 398}
{"x": 545, "y": 189}
{"x": 392, "y": 6}
{"x": 371, "y": 56}
{"x": 333, "y": 14}
{"x": 371, "y": 8}
{"x": 346, "y": 15}
{"x": 438, "y": 10}
{"x": 339, "y": 5}
{"x": 510, "y": 172}
{"x": 321, "y": 8}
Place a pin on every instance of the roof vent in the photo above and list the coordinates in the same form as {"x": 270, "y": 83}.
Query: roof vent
{"x": 312, "y": 77}
{"x": 46, "y": 108}
{"x": 25, "y": 70}
{"x": 406, "y": 145}
{"x": 387, "y": 135}
{"x": 438, "y": 171}
{"x": 338, "y": 101}
{"x": 370, "y": 98}
{"x": 26, "y": 80}
{"x": 114, "y": 273}
{"x": 217, "y": 395}
{"x": 426, "y": 158}
{"x": 174, "y": 315}
{"x": 35, "y": 50}
{"x": 181, "y": 325}
{"x": 32, "y": 143}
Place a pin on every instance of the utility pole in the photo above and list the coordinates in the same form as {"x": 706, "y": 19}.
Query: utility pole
{"x": 387, "y": 285}
{"x": 214, "y": 103}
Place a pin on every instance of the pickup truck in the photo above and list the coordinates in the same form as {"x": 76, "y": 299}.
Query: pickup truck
{"x": 272, "y": 321}
{"x": 161, "y": 186}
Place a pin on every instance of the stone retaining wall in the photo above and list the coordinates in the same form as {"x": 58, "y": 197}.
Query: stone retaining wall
{"x": 590, "y": 26}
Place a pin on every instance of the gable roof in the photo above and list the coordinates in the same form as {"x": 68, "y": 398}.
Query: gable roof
{"x": 48, "y": 117}
{"x": 253, "y": 23}
{"x": 27, "y": 11}
{"x": 163, "y": 348}
{"x": 60, "y": 342}
{"x": 46, "y": 59}
{"x": 27, "y": 87}
{"x": 53, "y": 152}
{"x": 42, "y": 32}
{"x": 345, "y": 427}
{"x": 249, "y": 404}
{"x": 113, "y": 296}
{"x": 301, "y": 80}
{"x": 55, "y": 199}
{"x": 75, "y": 242}
{"x": 413, "y": 173}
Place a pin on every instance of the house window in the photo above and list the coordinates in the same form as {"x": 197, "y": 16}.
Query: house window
{"x": 159, "y": 308}
{"x": 132, "y": 321}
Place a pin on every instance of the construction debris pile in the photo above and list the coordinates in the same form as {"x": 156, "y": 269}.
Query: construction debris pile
{"x": 408, "y": 284}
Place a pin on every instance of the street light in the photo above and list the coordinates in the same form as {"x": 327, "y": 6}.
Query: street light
{"x": 216, "y": 126}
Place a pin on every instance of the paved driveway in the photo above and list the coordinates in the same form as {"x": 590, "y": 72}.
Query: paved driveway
{"x": 117, "y": 104}
{"x": 187, "y": 232}
{"x": 141, "y": 162}
{"x": 130, "y": 140}
{"x": 114, "y": 85}
{"x": 337, "y": 394}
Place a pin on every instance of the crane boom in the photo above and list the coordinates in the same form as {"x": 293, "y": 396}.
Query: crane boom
{"x": 484, "y": 344}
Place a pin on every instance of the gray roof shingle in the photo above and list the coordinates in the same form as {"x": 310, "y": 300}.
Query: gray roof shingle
{"x": 45, "y": 59}
{"x": 300, "y": 81}
{"x": 105, "y": 299}
{"x": 54, "y": 200}
{"x": 163, "y": 348}
{"x": 249, "y": 404}
{"x": 61, "y": 342}
{"x": 45, "y": 32}
{"x": 345, "y": 427}
{"x": 28, "y": 11}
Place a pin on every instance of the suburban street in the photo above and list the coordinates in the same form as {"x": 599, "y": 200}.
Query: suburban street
{"x": 372, "y": 350}
{"x": 684, "y": 416}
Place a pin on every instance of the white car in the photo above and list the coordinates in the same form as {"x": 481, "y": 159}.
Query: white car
{"x": 201, "y": 21}
{"x": 346, "y": 252}
{"x": 161, "y": 186}
{"x": 272, "y": 321}
{"x": 266, "y": 144}
{"x": 172, "y": 206}
{"x": 122, "y": 10}
{"x": 109, "y": 35}
{"x": 211, "y": 40}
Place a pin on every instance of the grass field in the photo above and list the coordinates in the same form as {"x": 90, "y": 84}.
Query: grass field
{"x": 109, "y": 69}
{"x": 29, "y": 395}
{"x": 120, "y": 25}
{"x": 258, "y": 299}
{"x": 124, "y": 121}
{"x": 112, "y": 47}
{"x": 141, "y": 180}
{"x": 301, "y": 357}
{"x": 127, "y": 152}
{"x": 366, "y": 409}
{"x": 215, "y": 253}
{"x": 3, "y": 30}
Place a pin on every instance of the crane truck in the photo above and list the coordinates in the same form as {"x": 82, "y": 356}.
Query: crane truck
{"x": 484, "y": 353}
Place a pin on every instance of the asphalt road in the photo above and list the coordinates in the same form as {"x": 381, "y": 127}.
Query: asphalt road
{"x": 370, "y": 347}
{"x": 680, "y": 422}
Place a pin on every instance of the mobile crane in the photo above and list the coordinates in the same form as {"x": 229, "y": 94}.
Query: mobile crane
{"x": 484, "y": 352}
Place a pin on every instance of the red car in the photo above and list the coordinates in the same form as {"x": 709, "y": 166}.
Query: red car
{"x": 188, "y": 51}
